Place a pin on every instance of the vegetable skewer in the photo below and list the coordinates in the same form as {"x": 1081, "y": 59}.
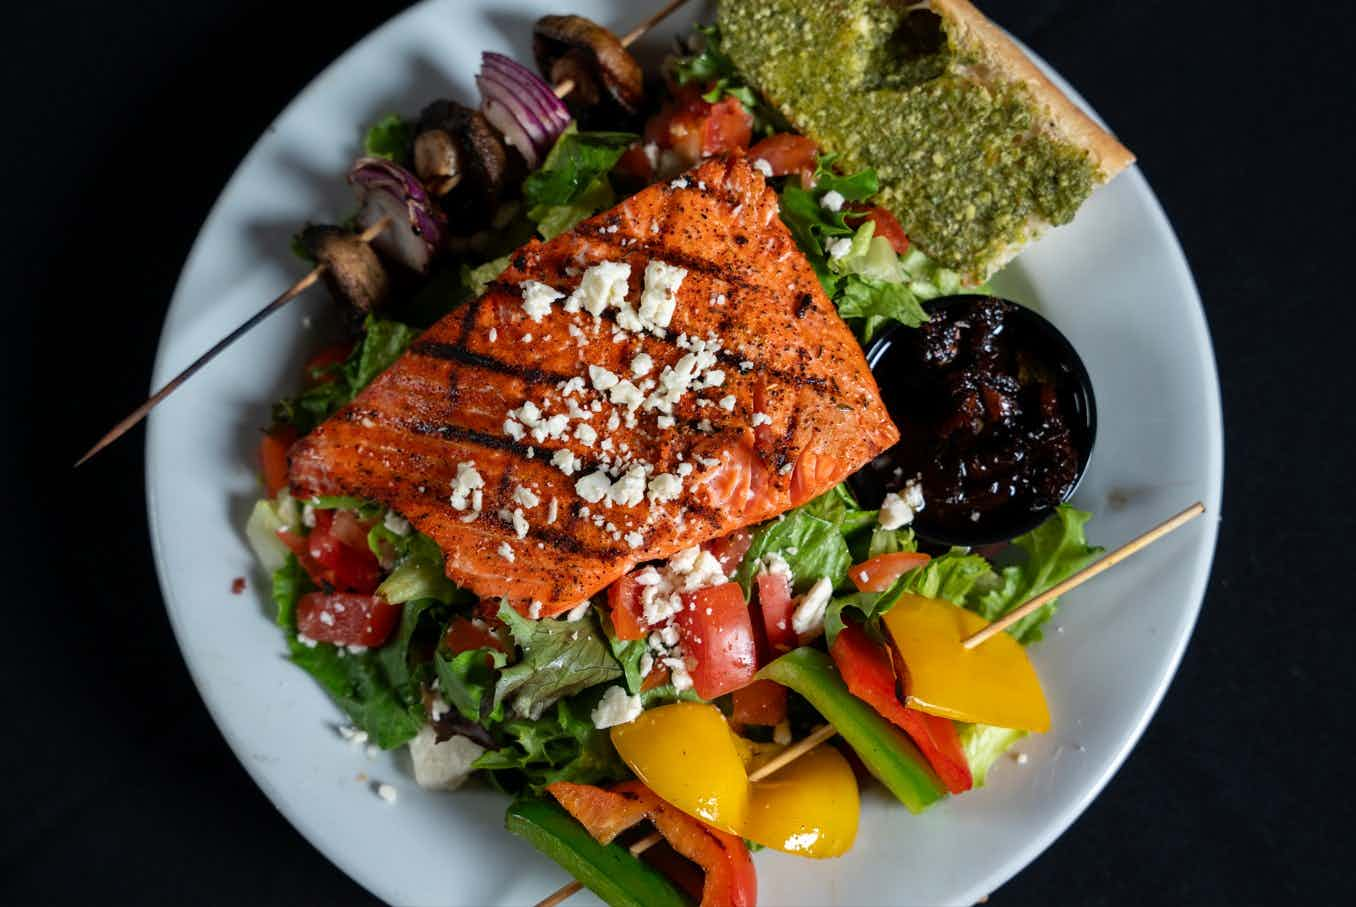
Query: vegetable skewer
{"x": 292, "y": 292}
{"x": 785, "y": 757}
{"x": 824, "y": 732}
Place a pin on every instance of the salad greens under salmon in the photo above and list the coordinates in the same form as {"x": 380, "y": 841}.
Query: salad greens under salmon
{"x": 830, "y": 612}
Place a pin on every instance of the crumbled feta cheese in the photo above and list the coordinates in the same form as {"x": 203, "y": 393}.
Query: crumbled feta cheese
{"x": 679, "y": 183}
{"x": 577, "y": 612}
{"x": 683, "y": 561}
{"x": 565, "y": 460}
{"x": 760, "y": 419}
{"x": 613, "y": 420}
{"x": 308, "y": 516}
{"x": 706, "y": 571}
{"x": 660, "y": 295}
{"x": 629, "y": 490}
{"x": 519, "y": 523}
{"x": 327, "y": 618}
{"x": 664, "y": 421}
{"x": 354, "y": 735}
{"x": 616, "y": 707}
{"x": 594, "y": 486}
{"x": 774, "y": 563}
{"x": 442, "y": 766}
{"x": 396, "y": 523}
{"x": 839, "y": 248}
{"x": 585, "y": 434}
{"x": 832, "y": 200}
{"x": 552, "y": 511}
{"x": 386, "y": 792}
{"x": 603, "y": 285}
{"x": 646, "y": 664}
{"x": 641, "y": 364}
{"x": 624, "y": 393}
{"x": 809, "y": 613}
{"x": 894, "y": 512}
{"x": 466, "y": 482}
{"x": 678, "y": 674}
{"x": 537, "y": 299}
{"x": 602, "y": 378}
{"x": 727, "y": 403}
{"x": 648, "y": 577}
{"x": 762, "y": 167}
{"x": 634, "y": 539}
{"x": 573, "y": 386}
{"x": 534, "y": 610}
{"x": 494, "y": 335}
{"x": 665, "y": 487}
{"x": 714, "y": 378}
{"x": 514, "y": 430}
{"x": 525, "y": 496}
{"x": 506, "y": 552}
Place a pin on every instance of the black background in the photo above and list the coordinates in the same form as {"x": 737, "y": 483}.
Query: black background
{"x": 123, "y": 122}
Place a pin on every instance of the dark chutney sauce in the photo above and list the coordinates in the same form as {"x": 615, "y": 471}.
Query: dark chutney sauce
{"x": 995, "y": 416}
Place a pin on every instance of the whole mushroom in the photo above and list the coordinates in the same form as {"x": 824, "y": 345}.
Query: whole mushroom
{"x": 456, "y": 149}
{"x": 354, "y": 274}
{"x": 607, "y": 79}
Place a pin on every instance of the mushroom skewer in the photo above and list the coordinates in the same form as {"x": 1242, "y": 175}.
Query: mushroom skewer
{"x": 314, "y": 275}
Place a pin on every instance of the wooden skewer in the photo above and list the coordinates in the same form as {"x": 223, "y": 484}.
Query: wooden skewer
{"x": 310, "y": 278}
{"x": 628, "y": 39}
{"x": 1086, "y": 574}
{"x": 788, "y": 755}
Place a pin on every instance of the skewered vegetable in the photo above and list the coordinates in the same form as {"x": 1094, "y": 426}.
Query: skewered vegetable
{"x": 522, "y": 106}
{"x": 353, "y": 274}
{"x": 386, "y": 189}
{"x": 606, "y": 78}
{"x": 456, "y": 148}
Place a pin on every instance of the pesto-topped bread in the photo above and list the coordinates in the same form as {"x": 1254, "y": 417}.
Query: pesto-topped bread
{"x": 976, "y": 151}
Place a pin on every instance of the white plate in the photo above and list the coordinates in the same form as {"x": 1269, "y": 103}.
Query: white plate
{"x": 1115, "y": 281}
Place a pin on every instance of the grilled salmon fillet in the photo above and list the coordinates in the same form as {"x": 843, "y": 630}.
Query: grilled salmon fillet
{"x": 664, "y": 373}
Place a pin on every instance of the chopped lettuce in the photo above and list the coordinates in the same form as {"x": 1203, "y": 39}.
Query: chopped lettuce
{"x": 1052, "y": 552}
{"x": 377, "y": 691}
{"x": 382, "y": 344}
{"x": 559, "y": 658}
{"x": 983, "y": 744}
{"x": 572, "y": 182}
{"x": 391, "y": 138}
{"x": 418, "y": 571}
{"x": 479, "y": 278}
{"x": 560, "y": 745}
{"x": 261, "y": 531}
{"x": 467, "y": 680}
{"x": 628, "y": 652}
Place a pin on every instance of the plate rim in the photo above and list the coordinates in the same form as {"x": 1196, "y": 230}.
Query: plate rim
{"x": 1020, "y": 857}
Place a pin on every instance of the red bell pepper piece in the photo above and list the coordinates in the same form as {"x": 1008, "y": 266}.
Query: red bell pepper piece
{"x": 866, "y": 668}
{"x": 624, "y": 602}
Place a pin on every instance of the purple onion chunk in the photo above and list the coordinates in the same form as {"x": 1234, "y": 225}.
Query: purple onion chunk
{"x": 386, "y": 189}
{"x": 522, "y": 106}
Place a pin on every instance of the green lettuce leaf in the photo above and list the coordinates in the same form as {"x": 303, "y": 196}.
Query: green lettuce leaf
{"x": 382, "y": 344}
{"x": 1053, "y": 551}
{"x": 559, "y": 658}
{"x": 873, "y": 304}
{"x": 983, "y": 744}
{"x": 375, "y": 691}
{"x": 572, "y": 183}
{"x": 466, "y": 680}
{"x": 628, "y": 652}
{"x": 391, "y": 138}
{"x": 561, "y": 745}
{"x": 812, "y": 547}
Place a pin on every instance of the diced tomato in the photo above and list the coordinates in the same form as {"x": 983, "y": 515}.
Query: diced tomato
{"x": 634, "y": 166}
{"x": 624, "y": 602}
{"x": 774, "y": 603}
{"x": 346, "y": 619}
{"x": 694, "y": 128}
{"x": 730, "y": 549}
{"x": 465, "y": 635}
{"x": 329, "y": 562}
{"x": 348, "y": 529}
{"x": 786, "y": 153}
{"x": 866, "y": 668}
{"x": 273, "y": 457}
{"x": 319, "y": 368}
{"x": 723, "y": 857}
{"x": 717, "y": 633}
{"x": 762, "y": 702}
{"x": 886, "y": 226}
{"x": 876, "y": 574}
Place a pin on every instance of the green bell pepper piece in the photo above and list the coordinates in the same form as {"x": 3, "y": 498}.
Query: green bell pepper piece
{"x": 887, "y": 753}
{"x": 608, "y": 870}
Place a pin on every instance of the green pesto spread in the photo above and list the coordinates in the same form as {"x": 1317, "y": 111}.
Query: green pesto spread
{"x": 962, "y": 163}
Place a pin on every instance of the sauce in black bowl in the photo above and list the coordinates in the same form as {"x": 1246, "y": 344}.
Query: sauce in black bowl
{"x": 996, "y": 418}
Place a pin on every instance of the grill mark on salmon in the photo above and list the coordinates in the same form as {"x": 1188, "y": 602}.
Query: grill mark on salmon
{"x": 446, "y": 400}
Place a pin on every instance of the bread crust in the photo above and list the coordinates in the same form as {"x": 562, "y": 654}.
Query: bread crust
{"x": 970, "y": 28}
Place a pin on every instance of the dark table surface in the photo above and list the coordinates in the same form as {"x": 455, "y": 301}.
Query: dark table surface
{"x": 125, "y": 120}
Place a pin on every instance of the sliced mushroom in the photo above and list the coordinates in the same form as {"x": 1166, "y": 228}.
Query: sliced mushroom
{"x": 456, "y": 148}
{"x": 354, "y": 275}
{"x": 603, "y": 72}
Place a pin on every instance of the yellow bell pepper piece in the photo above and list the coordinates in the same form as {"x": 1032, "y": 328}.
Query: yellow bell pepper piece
{"x": 686, "y": 754}
{"x": 809, "y": 808}
{"x": 993, "y": 683}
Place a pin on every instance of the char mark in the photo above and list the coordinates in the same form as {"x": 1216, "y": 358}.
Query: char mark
{"x": 446, "y": 351}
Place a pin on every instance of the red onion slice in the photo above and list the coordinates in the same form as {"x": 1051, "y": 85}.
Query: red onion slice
{"x": 522, "y": 106}
{"x": 386, "y": 189}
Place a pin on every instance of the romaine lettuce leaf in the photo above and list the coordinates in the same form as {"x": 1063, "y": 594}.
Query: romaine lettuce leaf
{"x": 812, "y": 547}
{"x": 466, "y": 680}
{"x": 390, "y": 138}
{"x": 572, "y": 183}
{"x": 559, "y": 658}
{"x": 560, "y": 745}
{"x": 983, "y": 744}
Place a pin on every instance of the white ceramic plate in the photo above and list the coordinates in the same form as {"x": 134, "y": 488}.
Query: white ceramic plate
{"x": 1115, "y": 281}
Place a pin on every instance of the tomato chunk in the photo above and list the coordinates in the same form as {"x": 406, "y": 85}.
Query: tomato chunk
{"x": 717, "y": 633}
{"x": 624, "y": 600}
{"x": 786, "y": 153}
{"x": 876, "y": 574}
{"x": 774, "y": 603}
{"x": 320, "y": 367}
{"x": 762, "y": 702}
{"x": 886, "y": 226}
{"x": 329, "y": 562}
{"x": 730, "y": 549}
{"x": 346, "y": 619}
{"x": 273, "y": 449}
{"x": 694, "y": 128}
{"x": 866, "y": 668}
{"x": 464, "y": 635}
